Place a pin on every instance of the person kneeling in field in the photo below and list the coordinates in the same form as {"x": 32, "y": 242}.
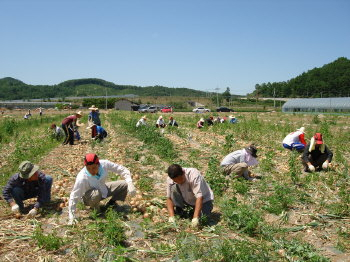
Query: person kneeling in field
{"x": 97, "y": 132}
{"x": 142, "y": 121}
{"x": 316, "y": 154}
{"x": 29, "y": 182}
{"x": 160, "y": 122}
{"x": 186, "y": 187}
{"x": 238, "y": 162}
{"x": 90, "y": 185}
{"x": 295, "y": 140}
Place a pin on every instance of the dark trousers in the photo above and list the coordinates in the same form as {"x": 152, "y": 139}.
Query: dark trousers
{"x": 69, "y": 135}
{"x": 181, "y": 205}
{"x": 19, "y": 195}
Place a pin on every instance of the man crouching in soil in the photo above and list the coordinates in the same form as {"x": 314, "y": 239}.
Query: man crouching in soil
{"x": 186, "y": 188}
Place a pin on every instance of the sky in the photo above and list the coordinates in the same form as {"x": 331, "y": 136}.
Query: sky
{"x": 199, "y": 44}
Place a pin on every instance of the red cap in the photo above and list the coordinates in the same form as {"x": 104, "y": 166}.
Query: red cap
{"x": 318, "y": 138}
{"x": 91, "y": 159}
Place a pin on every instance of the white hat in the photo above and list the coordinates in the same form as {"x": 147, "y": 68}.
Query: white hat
{"x": 160, "y": 117}
{"x": 93, "y": 108}
{"x": 78, "y": 113}
{"x": 202, "y": 119}
{"x": 301, "y": 129}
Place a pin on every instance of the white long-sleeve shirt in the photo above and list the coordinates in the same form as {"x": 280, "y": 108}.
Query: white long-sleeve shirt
{"x": 141, "y": 122}
{"x": 84, "y": 182}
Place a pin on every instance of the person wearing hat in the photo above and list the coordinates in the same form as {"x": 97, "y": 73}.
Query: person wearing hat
{"x": 94, "y": 116}
{"x": 295, "y": 140}
{"x": 172, "y": 122}
{"x": 239, "y": 161}
{"x": 29, "y": 182}
{"x": 142, "y": 121}
{"x": 68, "y": 126}
{"x": 200, "y": 123}
{"x": 97, "y": 132}
{"x": 160, "y": 122}
{"x": 187, "y": 188}
{"x": 317, "y": 155}
{"x": 91, "y": 186}
{"x": 233, "y": 119}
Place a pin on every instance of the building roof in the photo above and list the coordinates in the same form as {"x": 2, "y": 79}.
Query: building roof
{"x": 319, "y": 103}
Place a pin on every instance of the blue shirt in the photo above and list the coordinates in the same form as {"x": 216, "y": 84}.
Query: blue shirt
{"x": 95, "y": 117}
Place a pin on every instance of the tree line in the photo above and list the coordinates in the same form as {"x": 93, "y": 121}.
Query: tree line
{"x": 331, "y": 80}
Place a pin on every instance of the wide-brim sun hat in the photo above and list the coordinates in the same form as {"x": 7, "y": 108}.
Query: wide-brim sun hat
{"x": 202, "y": 119}
{"x": 79, "y": 113}
{"x": 93, "y": 107}
{"x": 27, "y": 169}
{"x": 144, "y": 117}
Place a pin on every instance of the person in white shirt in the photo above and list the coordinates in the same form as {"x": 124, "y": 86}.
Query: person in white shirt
{"x": 186, "y": 187}
{"x": 142, "y": 121}
{"x": 238, "y": 162}
{"x": 160, "y": 122}
{"x": 90, "y": 185}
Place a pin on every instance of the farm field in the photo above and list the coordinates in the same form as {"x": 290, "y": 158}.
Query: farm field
{"x": 287, "y": 215}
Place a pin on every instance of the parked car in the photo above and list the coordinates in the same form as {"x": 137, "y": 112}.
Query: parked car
{"x": 149, "y": 109}
{"x": 167, "y": 109}
{"x": 224, "y": 109}
{"x": 201, "y": 110}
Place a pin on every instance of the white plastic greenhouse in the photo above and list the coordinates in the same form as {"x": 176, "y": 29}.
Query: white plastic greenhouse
{"x": 318, "y": 105}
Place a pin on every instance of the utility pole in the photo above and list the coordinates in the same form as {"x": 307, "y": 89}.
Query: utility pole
{"x": 217, "y": 96}
{"x": 106, "y": 98}
{"x": 274, "y": 97}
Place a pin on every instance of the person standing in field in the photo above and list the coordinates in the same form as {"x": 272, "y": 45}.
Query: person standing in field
{"x": 142, "y": 121}
{"x": 239, "y": 161}
{"x": 94, "y": 116}
{"x": 187, "y": 188}
{"x": 91, "y": 186}
{"x": 295, "y": 140}
{"x": 317, "y": 155}
{"x": 29, "y": 182}
{"x": 68, "y": 127}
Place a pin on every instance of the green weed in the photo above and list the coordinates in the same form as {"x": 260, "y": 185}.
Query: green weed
{"x": 281, "y": 199}
{"x": 242, "y": 217}
{"x": 48, "y": 242}
{"x": 215, "y": 177}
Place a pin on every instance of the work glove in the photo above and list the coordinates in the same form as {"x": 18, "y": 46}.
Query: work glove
{"x": 33, "y": 212}
{"x": 325, "y": 165}
{"x": 195, "y": 222}
{"x": 131, "y": 189}
{"x": 15, "y": 208}
{"x": 312, "y": 168}
{"x": 172, "y": 220}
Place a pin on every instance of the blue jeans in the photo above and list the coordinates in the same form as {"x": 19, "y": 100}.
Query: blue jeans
{"x": 19, "y": 195}
{"x": 297, "y": 146}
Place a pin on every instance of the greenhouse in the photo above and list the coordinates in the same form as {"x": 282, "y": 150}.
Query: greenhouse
{"x": 318, "y": 105}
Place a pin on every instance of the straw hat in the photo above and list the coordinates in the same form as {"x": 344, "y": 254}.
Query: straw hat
{"x": 231, "y": 116}
{"x": 202, "y": 119}
{"x": 144, "y": 117}
{"x": 78, "y": 113}
{"x": 161, "y": 117}
{"x": 93, "y": 108}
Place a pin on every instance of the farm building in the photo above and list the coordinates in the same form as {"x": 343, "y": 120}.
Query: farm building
{"x": 318, "y": 105}
{"x": 126, "y": 105}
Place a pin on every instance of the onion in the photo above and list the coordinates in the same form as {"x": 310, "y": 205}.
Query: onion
{"x": 62, "y": 205}
{"x": 134, "y": 209}
{"x": 145, "y": 215}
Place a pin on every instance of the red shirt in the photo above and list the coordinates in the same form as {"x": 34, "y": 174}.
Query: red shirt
{"x": 69, "y": 119}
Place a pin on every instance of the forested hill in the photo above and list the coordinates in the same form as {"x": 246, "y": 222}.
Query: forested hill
{"x": 11, "y": 89}
{"x": 331, "y": 80}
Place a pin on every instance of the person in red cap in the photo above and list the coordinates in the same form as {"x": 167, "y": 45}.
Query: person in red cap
{"x": 90, "y": 185}
{"x": 316, "y": 154}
